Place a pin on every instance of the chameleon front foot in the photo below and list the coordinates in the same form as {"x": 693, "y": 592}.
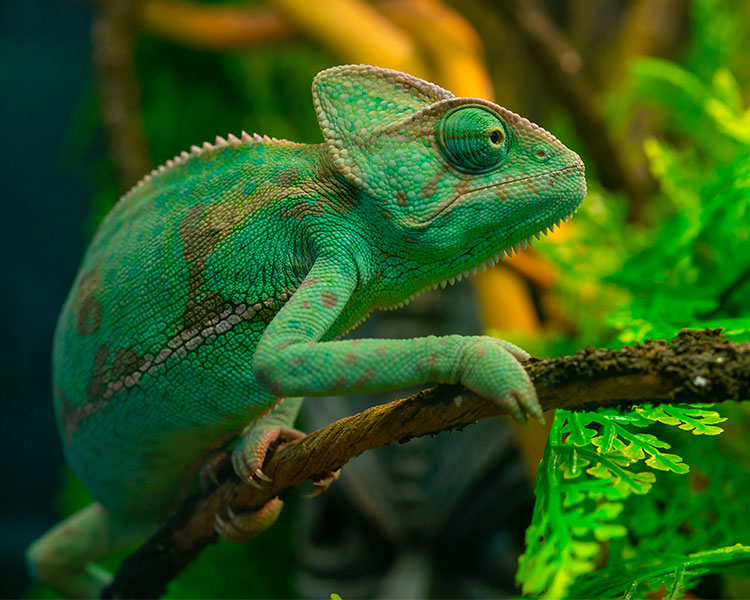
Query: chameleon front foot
{"x": 492, "y": 369}
{"x": 239, "y": 528}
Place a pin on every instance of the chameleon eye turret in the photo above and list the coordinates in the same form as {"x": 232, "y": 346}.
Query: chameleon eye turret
{"x": 472, "y": 139}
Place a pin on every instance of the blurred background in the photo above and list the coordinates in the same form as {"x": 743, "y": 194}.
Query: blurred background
{"x": 653, "y": 94}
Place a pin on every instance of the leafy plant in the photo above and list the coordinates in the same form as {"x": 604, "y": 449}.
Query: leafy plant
{"x": 627, "y": 504}
{"x": 593, "y": 463}
{"x": 696, "y": 269}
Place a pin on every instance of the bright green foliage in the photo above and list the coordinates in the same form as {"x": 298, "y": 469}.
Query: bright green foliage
{"x": 632, "y": 579}
{"x": 694, "y": 270}
{"x": 613, "y": 518}
{"x": 594, "y": 462}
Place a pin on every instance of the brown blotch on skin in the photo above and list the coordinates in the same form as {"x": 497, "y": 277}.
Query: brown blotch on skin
{"x": 367, "y": 376}
{"x": 125, "y": 362}
{"x": 503, "y": 193}
{"x": 381, "y": 351}
{"x": 202, "y": 308}
{"x": 98, "y": 381}
{"x": 464, "y": 186}
{"x": 351, "y": 357}
{"x": 300, "y": 210}
{"x": 322, "y": 171}
{"x": 201, "y": 229}
{"x": 86, "y": 307}
{"x": 309, "y": 282}
{"x": 338, "y": 203}
{"x": 286, "y": 176}
{"x": 68, "y": 417}
{"x": 198, "y": 242}
{"x": 339, "y": 383}
{"x": 429, "y": 189}
{"x": 400, "y": 197}
{"x": 71, "y": 418}
{"x": 329, "y": 299}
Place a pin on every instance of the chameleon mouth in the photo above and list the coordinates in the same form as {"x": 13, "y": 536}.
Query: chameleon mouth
{"x": 490, "y": 261}
{"x": 578, "y": 166}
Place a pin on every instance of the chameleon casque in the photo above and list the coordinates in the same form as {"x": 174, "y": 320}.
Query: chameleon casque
{"x": 210, "y": 297}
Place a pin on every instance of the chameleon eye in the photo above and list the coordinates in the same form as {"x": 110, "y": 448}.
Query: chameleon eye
{"x": 472, "y": 138}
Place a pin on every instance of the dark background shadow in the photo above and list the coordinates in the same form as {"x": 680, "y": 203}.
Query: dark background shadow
{"x": 45, "y": 78}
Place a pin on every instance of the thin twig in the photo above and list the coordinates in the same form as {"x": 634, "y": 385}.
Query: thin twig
{"x": 119, "y": 92}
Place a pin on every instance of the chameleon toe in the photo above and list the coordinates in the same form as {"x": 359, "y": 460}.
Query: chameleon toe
{"x": 241, "y": 527}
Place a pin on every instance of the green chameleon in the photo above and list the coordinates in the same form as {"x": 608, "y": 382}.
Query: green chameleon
{"x": 211, "y": 295}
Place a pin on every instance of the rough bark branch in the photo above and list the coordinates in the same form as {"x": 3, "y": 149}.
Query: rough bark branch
{"x": 696, "y": 367}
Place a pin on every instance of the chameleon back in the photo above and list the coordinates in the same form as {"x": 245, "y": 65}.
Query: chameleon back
{"x": 183, "y": 275}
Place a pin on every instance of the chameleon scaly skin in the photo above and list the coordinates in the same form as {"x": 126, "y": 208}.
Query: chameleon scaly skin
{"x": 220, "y": 283}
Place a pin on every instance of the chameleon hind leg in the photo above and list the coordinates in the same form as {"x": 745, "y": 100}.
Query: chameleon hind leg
{"x": 248, "y": 456}
{"x": 61, "y": 558}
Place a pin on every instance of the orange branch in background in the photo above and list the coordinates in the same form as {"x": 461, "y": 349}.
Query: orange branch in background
{"x": 355, "y": 31}
{"x": 450, "y": 44}
{"x": 211, "y": 26}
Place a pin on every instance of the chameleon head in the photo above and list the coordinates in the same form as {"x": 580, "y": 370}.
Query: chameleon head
{"x": 459, "y": 180}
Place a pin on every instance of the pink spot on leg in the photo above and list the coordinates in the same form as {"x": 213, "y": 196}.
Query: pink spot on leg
{"x": 329, "y": 299}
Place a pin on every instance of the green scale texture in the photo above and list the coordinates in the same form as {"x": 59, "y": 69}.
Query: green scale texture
{"x": 216, "y": 286}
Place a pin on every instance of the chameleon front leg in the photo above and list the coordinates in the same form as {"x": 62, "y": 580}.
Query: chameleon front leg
{"x": 291, "y": 360}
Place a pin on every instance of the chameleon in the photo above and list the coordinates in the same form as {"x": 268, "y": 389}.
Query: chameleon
{"x": 213, "y": 295}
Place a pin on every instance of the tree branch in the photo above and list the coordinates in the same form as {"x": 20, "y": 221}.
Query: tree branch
{"x": 119, "y": 92}
{"x": 696, "y": 367}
